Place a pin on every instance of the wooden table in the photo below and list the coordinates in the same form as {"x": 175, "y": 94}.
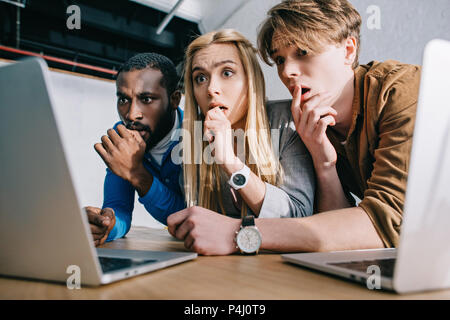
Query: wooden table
{"x": 260, "y": 277}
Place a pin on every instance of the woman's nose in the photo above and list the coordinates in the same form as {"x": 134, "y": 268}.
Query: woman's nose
{"x": 213, "y": 88}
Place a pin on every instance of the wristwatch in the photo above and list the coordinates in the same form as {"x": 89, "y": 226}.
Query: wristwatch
{"x": 248, "y": 238}
{"x": 239, "y": 179}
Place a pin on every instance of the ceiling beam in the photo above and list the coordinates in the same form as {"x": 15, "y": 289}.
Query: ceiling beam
{"x": 169, "y": 17}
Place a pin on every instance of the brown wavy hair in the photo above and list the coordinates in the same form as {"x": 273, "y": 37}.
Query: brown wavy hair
{"x": 309, "y": 25}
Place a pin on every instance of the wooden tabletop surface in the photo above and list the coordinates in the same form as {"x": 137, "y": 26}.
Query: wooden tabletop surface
{"x": 264, "y": 276}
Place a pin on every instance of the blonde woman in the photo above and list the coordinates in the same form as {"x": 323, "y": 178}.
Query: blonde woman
{"x": 266, "y": 173}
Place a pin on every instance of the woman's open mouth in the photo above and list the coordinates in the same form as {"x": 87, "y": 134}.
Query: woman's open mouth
{"x": 221, "y": 107}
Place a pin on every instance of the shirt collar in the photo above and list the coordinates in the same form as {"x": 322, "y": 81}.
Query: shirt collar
{"x": 357, "y": 109}
{"x": 358, "y": 101}
{"x": 174, "y": 136}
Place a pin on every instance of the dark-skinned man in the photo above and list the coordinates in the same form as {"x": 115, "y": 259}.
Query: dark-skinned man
{"x": 137, "y": 151}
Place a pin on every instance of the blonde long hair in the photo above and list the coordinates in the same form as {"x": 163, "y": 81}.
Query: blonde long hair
{"x": 258, "y": 146}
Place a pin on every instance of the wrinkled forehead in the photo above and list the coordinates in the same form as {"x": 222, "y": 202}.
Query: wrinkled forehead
{"x": 215, "y": 55}
{"x": 145, "y": 80}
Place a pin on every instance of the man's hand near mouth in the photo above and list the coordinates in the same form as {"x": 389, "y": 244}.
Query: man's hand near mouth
{"x": 122, "y": 152}
{"x": 312, "y": 116}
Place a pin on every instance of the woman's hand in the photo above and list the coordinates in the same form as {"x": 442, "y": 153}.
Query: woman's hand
{"x": 204, "y": 231}
{"x": 217, "y": 130}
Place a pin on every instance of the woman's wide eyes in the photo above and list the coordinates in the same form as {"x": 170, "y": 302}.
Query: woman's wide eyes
{"x": 228, "y": 73}
{"x": 200, "y": 78}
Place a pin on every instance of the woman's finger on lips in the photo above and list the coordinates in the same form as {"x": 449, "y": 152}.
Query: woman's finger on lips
{"x": 214, "y": 114}
{"x": 220, "y": 114}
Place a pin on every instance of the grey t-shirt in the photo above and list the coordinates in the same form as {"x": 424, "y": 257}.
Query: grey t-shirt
{"x": 295, "y": 196}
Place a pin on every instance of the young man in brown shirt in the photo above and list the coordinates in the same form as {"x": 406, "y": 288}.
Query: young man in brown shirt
{"x": 356, "y": 120}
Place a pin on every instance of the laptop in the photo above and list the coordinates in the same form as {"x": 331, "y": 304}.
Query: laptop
{"x": 422, "y": 260}
{"x": 44, "y": 231}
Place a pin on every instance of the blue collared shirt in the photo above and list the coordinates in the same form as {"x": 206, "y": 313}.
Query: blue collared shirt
{"x": 164, "y": 197}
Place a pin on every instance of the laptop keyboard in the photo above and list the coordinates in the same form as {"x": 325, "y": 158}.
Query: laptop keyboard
{"x": 109, "y": 264}
{"x": 386, "y": 266}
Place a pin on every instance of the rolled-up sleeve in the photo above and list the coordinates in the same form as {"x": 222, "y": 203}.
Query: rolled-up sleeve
{"x": 295, "y": 196}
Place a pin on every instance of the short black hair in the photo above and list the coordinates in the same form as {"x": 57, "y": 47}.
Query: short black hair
{"x": 157, "y": 61}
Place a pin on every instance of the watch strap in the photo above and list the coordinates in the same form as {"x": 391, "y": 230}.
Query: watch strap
{"x": 248, "y": 221}
{"x": 249, "y": 253}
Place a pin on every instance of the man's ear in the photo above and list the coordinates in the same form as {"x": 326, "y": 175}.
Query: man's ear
{"x": 351, "y": 49}
{"x": 175, "y": 99}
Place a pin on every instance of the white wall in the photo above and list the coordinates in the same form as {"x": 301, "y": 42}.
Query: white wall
{"x": 406, "y": 26}
{"x": 87, "y": 109}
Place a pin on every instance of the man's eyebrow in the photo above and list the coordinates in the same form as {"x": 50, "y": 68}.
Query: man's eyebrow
{"x": 215, "y": 65}
{"x": 121, "y": 94}
{"x": 140, "y": 94}
{"x": 146, "y": 93}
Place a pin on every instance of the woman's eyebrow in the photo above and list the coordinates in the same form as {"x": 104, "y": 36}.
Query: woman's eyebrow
{"x": 224, "y": 62}
{"x": 215, "y": 65}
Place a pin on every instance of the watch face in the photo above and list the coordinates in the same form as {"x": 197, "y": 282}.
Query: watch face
{"x": 239, "y": 179}
{"x": 248, "y": 240}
